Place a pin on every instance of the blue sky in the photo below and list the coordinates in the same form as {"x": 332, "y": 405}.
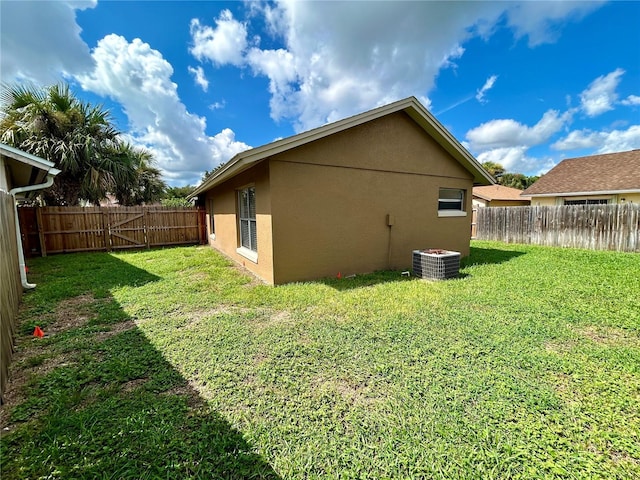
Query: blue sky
{"x": 524, "y": 84}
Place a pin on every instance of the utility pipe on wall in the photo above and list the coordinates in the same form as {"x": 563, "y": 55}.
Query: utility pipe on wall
{"x": 41, "y": 186}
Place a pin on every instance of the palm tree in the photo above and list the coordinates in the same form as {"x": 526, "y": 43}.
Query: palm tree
{"x": 145, "y": 183}
{"x": 77, "y": 137}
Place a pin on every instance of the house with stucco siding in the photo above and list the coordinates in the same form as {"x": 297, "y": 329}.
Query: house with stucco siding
{"x": 596, "y": 179}
{"x": 498, "y": 196}
{"x": 354, "y": 196}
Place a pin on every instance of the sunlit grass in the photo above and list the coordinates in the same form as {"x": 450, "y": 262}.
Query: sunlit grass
{"x": 527, "y": 366}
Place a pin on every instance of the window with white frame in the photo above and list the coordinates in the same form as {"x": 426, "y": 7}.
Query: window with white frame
{"x": 451, "y": 202}
{"x": 586, "y": 201}
{"x": 247, "y": 218}
{"x": 212, "y": 225}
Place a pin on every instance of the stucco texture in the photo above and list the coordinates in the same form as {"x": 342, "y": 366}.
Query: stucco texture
{"x": 323, "y": 208}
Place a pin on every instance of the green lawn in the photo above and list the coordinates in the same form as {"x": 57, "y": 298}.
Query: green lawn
{"x": 174, "y": 364}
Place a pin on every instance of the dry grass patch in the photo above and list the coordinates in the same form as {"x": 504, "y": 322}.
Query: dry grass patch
{"x": 72, "y": 313}
{"x": 610, "y": 336}
{"x": 350, "y": 391}
{"x": 115, "y": 330}
{"x": 271, "y": 318}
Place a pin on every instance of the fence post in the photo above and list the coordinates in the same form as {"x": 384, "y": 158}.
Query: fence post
{"x": 40, "y": 226}
{"x": 145, "y": 222}
{"x": 105, "y": 229}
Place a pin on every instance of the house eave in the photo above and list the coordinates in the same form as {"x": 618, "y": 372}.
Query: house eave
{"x": 583, "y": 194}
{"x": 411, "y": 106}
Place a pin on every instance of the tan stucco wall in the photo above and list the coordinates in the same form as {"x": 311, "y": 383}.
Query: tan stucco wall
{"x": 553, "y": 201}
{"x": 479, "y": 202}
{"x": 630, "y": 197}
{"x": 322, "y": 208}
{"x": 226, "y": 224}
{"x": 509, "y": 203}
{"x": 330, "y": 201}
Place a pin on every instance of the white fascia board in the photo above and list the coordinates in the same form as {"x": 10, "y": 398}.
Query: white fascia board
{"x": 583, "y": 194}
{"x": 27, "y": 158}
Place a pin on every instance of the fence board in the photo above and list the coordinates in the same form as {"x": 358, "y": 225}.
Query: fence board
{"x": 595, "y": 227}
{"x": 10, "y": 284}
{"x": 83, "y": 229}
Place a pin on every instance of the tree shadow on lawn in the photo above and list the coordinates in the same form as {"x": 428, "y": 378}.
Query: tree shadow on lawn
{"x": 364, "y": 280}
{"x": 95, "y": 399}
{"x": 477, "y": 256}
{"x": 489, "y": 256}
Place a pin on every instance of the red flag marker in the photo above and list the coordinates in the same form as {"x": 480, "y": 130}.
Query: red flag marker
{"x": 339, "y": 276}
{"x": 38, "y": 332}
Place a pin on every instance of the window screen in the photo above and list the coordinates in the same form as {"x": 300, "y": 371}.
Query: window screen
{"x": 451, "y": 199}
{"x": 247, "y": 204}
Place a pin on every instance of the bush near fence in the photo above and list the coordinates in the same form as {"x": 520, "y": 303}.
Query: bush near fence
{"x": 595, "y": 227}
{"x": 10, "y": 284}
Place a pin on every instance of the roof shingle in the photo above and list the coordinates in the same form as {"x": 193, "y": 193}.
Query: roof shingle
{"x": 610, "y": 172}
{"x": 498, "y": 192}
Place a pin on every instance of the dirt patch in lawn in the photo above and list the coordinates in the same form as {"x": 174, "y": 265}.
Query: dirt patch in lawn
{"x": 270, "y": 318}
{"x": 35, "y": 357}
{"x": 115, "y": 330}
{"x": 350, "y": 391}
{"x": 71, "y": 313}
{"x": 610, "y": 336}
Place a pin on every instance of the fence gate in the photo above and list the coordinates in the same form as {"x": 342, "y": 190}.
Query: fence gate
{"x": 48, "y": 230}
{"x": 126, "y": 229}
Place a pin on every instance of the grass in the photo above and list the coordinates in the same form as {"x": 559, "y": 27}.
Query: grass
{"x": 174, "y": 364}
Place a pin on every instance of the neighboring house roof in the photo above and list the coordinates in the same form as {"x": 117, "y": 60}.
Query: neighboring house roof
{"x": 498, "y": 192}
{"x": 25, "y": 169}
{"x": 594, "y": 175}
{"x": 411, "y": 106}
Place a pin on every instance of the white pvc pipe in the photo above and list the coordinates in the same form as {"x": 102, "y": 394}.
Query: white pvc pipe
{"x": 41, "y": 186}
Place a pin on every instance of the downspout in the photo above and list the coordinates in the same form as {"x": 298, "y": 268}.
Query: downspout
{"x": 41, "y": 186}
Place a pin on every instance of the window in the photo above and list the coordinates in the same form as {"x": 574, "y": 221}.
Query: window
{"x": 247, "y": 207}
{"x": 212, "y": 225}
{"x": 451, "y": 202}
{"x": 587, "y": 201}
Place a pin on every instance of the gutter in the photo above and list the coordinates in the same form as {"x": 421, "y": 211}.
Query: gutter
{"x": 41, "y": 186}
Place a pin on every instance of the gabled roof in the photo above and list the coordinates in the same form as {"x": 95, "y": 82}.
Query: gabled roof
{"x": 498, "y": 192}
{"x": 594, "y": 175}
{"x": 411, "y": 106}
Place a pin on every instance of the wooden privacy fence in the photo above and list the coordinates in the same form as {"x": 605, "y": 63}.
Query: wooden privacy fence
{"x": 595, "y": 227}
{"x": 10, "y": 284}
{"x": 47, "y": 230}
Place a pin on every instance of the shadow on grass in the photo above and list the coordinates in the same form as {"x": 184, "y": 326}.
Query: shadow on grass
{"x": 95, "y": 399}
{"x": 477, "y": 256}
{"x": 367, "y": 280}
{"x": 488, "y": 256}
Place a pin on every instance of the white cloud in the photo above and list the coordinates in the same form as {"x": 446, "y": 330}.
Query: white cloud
{"x": 515, "y": 159}
{"x": 510, "y": 133}
{"x": 540, "y": 21}
{"x": 40, "y": 40}
{"x": 222, "y": 45}
{"x": 139, "y": 78}
{"x": 601, "y": 94}
{"x": 343, "y": 58}
{"x": 488, "y": 85}
{"x": 602, "y": 142}
{"x": 198, "y": 76}
{"x": 631, "y": 100}
{"x": 339, "y": 58}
